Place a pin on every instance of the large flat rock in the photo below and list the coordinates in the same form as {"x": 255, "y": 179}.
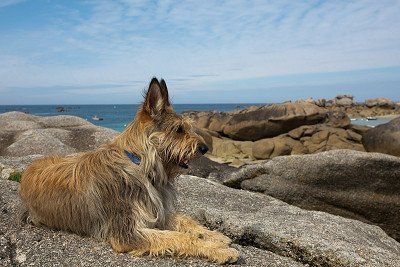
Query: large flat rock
{"x": 267, "y": 232}
{"x": 27, "y": 245}
{"x": 353, "y": 184}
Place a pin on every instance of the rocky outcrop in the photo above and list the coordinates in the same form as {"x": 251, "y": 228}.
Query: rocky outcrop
{"x": 272, "y": 120}
{"x": 306, "y": 140}
{"x": 336, "y": 133}
{"x": 380, "y": 102}
{"x": 256, "y": 123}
{"x": 370, "y": 108}
{"x": 23, "y": 134}
{"x": 358, "y": 185}
{"x": 384, "y": 138}
{"x": 343, "y": 101}
{"x": 266, "y": 231}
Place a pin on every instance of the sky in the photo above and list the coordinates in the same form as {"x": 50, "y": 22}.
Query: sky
{"x": 106, "y": 52}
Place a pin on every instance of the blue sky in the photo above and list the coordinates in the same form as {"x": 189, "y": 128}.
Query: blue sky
{"x": 88, "y": 52}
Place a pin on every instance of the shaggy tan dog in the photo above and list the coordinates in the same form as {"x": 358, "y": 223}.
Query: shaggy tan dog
{"x": 123, "y": 192}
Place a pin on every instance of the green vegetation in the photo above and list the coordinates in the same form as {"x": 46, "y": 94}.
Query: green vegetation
{"x": 15, "y": 176}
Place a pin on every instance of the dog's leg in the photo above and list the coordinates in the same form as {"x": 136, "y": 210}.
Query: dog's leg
{"x": 166, "y": 242}
{"x": 183, "y": 223}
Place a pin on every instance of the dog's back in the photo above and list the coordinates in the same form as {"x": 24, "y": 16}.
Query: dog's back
{"x": 47, "y": 191}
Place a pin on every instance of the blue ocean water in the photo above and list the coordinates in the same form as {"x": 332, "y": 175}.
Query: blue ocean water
{"x": 114, "y": 116}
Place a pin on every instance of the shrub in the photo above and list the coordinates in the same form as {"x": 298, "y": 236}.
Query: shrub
{"x": 15, "y": 176}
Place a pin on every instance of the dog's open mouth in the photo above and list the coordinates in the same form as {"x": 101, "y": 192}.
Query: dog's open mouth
{"x": 184, "y": 163}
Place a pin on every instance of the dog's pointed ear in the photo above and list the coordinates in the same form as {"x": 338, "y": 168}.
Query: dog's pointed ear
{"x": 164, "y": 91}
{"x": 156, "y": 98}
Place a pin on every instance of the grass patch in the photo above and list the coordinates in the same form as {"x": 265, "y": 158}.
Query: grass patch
{"x": 15, "y": 176}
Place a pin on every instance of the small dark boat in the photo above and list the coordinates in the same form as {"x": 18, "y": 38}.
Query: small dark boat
{"x": 96, "y": 118}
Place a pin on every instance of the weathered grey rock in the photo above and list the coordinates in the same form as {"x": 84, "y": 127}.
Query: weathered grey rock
{"x": 23, "y": 135}
{"x": 38, "y": 142}
{"x": 359, "y": 185}
{"x": 315, "y": 238}
{"x": 384, "y": 138}
{"x": 27, "y": 245}
{"x": 204, "y": 167}
{"x": 18, "y": 163}
{"x": 284, "y": 235}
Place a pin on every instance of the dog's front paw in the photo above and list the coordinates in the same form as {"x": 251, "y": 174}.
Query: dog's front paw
{"x": 225, "y": 255}
{"x": 215, "y": 236}
{"x": 138, "y": 252}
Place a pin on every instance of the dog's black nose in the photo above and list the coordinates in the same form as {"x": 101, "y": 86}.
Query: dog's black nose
{"x": 203, "y": 149}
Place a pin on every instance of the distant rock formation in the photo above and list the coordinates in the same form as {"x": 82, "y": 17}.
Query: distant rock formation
{"x": 259, "y": 133}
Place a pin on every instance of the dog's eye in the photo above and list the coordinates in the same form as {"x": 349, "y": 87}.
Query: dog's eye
{"x": 179, "y": 129}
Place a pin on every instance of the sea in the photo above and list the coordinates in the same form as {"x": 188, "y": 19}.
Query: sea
{"x": 114, "y": 116}
{"x": 118, "y": 116}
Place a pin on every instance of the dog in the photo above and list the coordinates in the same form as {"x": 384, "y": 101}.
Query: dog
{"x": 123, "y": 192}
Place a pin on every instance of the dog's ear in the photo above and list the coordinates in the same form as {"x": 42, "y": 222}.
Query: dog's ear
{"x": 156, "y": 98}
{"x": 164, "y": 91}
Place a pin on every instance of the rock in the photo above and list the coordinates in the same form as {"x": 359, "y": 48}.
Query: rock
{"x": 307, "y": 139}
{"x": 262, "y": 149}
{"x": 384, "y": 138}
{"x": 272, "y": 120}
{"x": 360, "y": 129}
{"x": 298, "y": 132}
{"x": 338, "y": 119}
{"x": 280, "y": 149}
{"x": 354, "y": 136}
{"x": 27, "y": 245}
{"x": 40, "y": 141}
{"x": 61, "y": 109}
{"x": 230, "y": 150}
{"x": 204, "y": 167}
{"x": 6, "y": 172}
{"x": 380, "y": 102}
{"x": 206, "y": 136}
{"x": 321, "y": 102}
{"x": 24, "y": 135}
{"x": 358, "y": 185}
{"x": 267, "y": 232}
{"x": 313, "y": 238}
{"x": 344, "y": 100}
{"x": 18, "y": 163}
{"x": 212, "y": 120}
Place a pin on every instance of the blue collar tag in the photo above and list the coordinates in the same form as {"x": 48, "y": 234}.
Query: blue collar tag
{"x": 135, "y": 159}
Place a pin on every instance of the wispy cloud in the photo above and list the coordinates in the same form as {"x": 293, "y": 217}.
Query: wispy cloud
{"x": 194, "y": 43}
{"x": 4, "y": 3}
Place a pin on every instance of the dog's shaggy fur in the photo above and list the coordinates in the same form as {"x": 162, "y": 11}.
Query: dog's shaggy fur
{"x": 103, "y": 194}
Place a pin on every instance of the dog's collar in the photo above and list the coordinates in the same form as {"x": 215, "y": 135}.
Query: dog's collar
{"x": 134, "y": 158}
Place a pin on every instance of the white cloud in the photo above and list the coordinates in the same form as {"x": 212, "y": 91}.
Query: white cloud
{"x": 4, "y": 3}
{"x": 192, "y": 42}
